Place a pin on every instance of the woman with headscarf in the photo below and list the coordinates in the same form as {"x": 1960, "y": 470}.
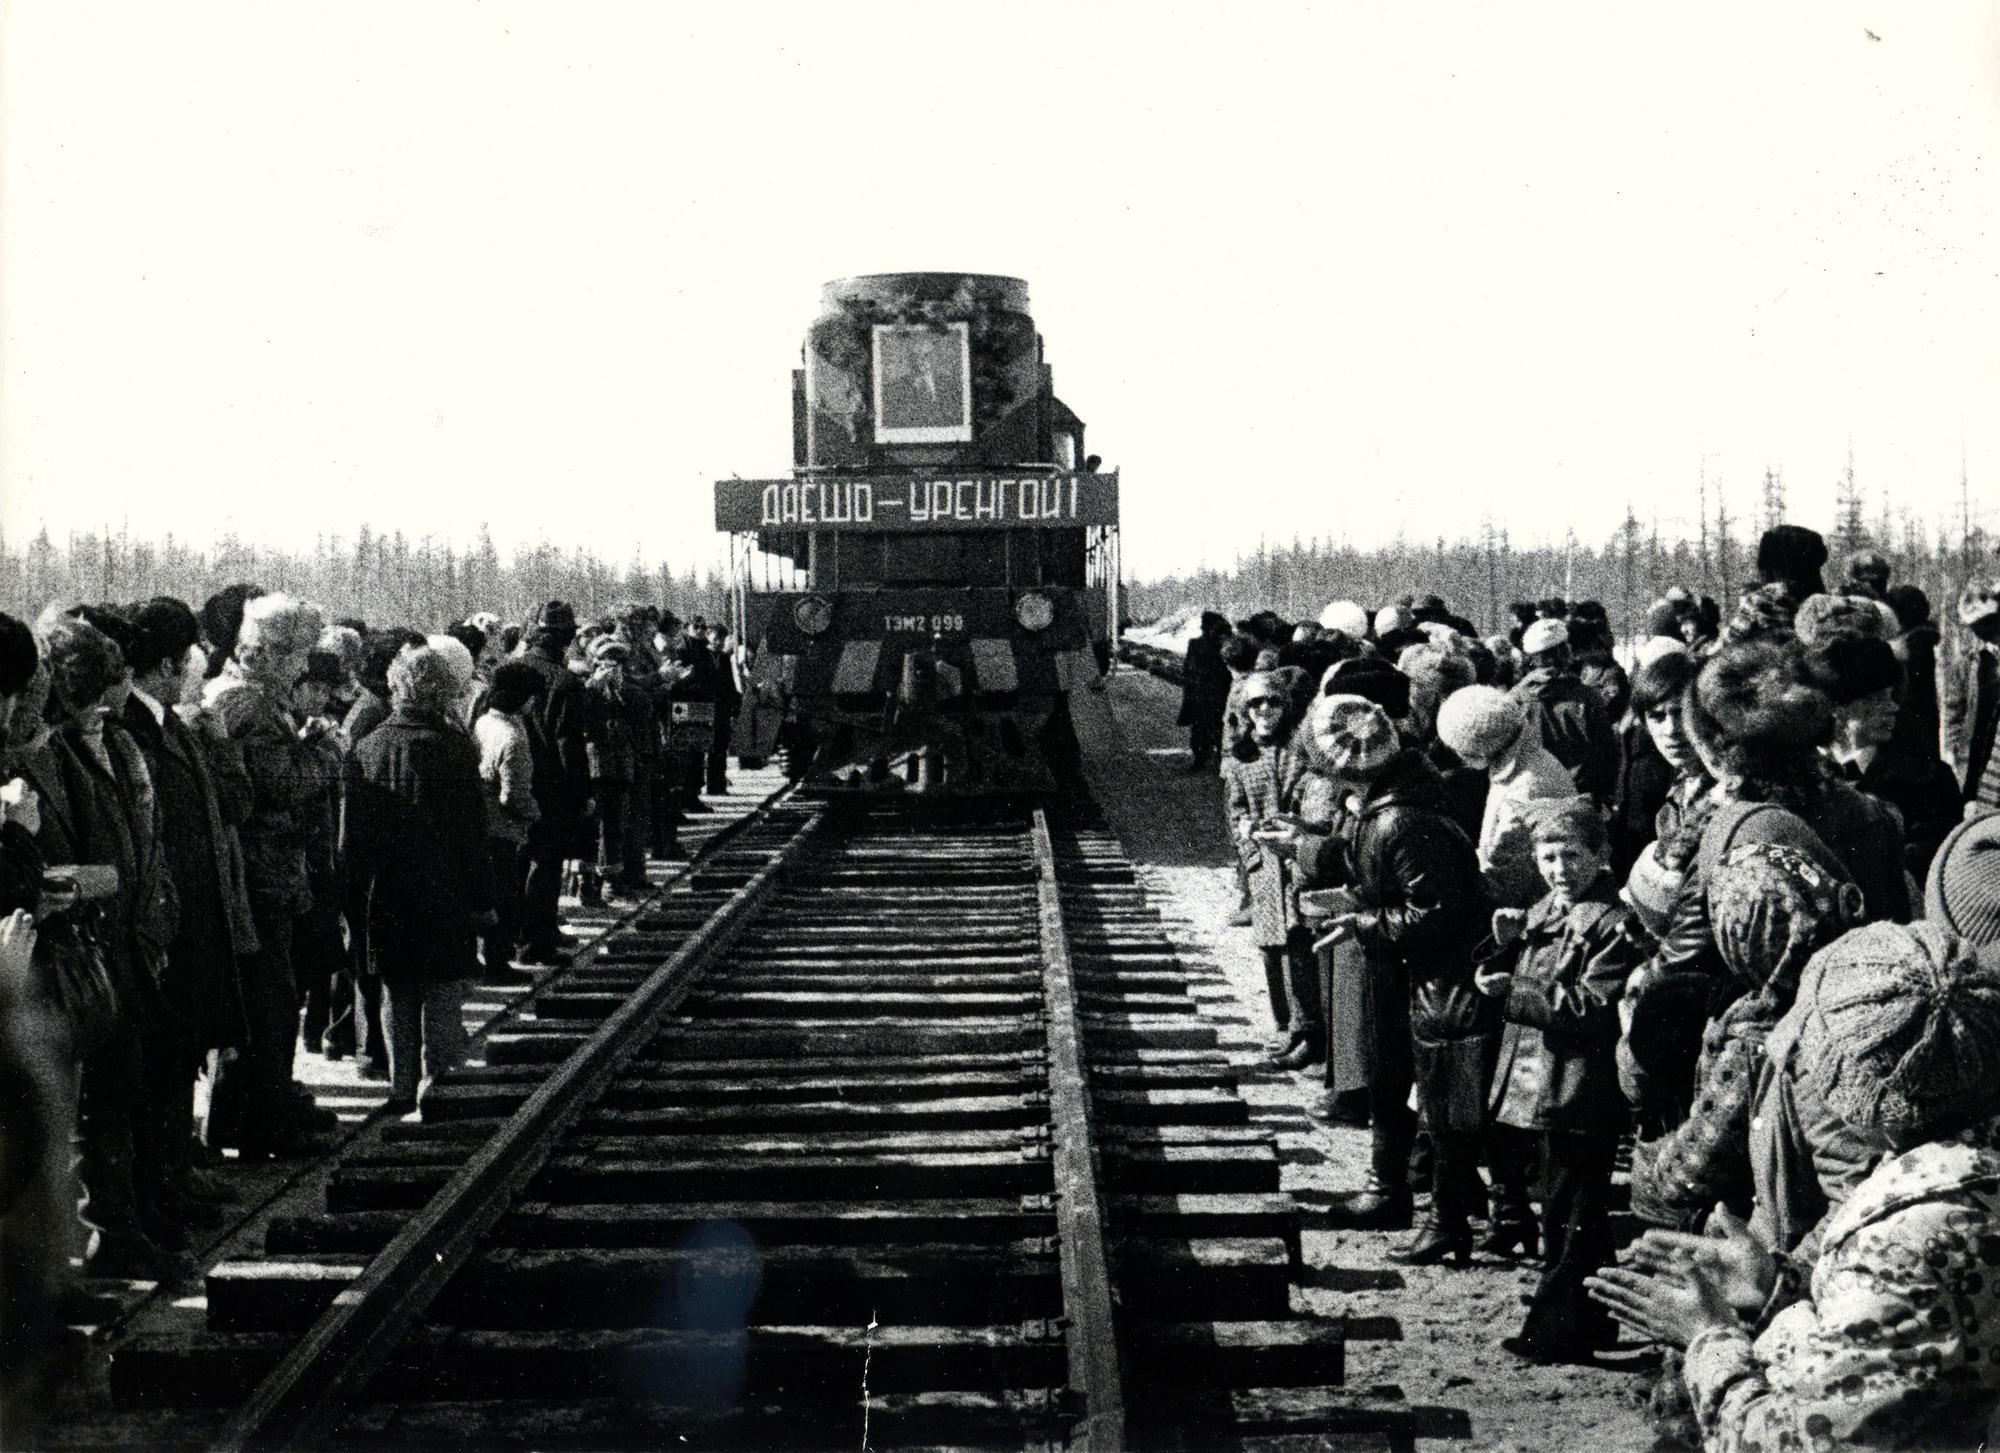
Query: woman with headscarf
{"x": 1757, "y": 720}
{"x": 1267, "y": 779}
{"x": 416, "y": 843}
{"x": 1889, "y": 1334}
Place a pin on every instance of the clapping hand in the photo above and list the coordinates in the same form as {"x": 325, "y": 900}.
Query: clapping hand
{"x": 1674, "y": 1286}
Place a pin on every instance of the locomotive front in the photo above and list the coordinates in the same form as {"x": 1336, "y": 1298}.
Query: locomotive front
{"x": 941, "y": 568}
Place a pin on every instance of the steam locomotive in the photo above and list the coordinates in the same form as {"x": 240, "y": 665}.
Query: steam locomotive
{"x": 940, "y": 570}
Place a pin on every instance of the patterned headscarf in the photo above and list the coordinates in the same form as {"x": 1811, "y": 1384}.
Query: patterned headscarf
{"x": 1771, "y": 907}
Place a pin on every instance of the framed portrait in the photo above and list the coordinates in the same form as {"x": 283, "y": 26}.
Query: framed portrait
{"x": 923, "y": 383}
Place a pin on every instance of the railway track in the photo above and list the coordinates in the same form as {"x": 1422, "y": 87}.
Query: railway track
{"x": 871, "y": 1132}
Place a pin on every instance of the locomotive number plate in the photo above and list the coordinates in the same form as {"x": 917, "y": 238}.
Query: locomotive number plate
{"x": 921, "y": 625}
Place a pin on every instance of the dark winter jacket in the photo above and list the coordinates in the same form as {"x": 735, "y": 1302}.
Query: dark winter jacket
{"x": 416, "y": 844}
{"x": 563, "y": 716}
{"x": 1917, "y": 649}
{"x": 288, "y": 785}
{"x": 201, "y": 982}
{"x": 1569, "y": 966}
{"x": 1908, "y": 774}
{"x": 1575, "y": 728}
{"x": 1644, "y": 780}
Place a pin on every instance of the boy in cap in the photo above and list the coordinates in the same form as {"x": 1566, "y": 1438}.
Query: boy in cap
{"x": 1558, "y": 970}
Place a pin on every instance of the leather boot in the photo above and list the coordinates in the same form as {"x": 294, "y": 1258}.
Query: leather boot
{"x": 1438, "y": 1240}
{"x": 1377, "y": 1206}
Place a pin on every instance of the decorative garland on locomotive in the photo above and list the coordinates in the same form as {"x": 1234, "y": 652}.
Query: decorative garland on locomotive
{"x": 941, "y": 568}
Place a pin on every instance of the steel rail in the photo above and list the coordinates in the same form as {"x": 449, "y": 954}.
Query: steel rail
{"x": 1090, "y": 1333}
{"x": 293, "y": 1406}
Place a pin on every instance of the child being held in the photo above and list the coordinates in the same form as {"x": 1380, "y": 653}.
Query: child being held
{"x": 1559, "y": 967}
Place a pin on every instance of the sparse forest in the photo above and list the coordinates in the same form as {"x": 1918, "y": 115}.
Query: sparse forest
{"x": 378, "y": 577}
{"x": 1480, "y": 576}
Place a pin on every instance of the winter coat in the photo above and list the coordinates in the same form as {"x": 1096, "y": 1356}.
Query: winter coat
{"x": 1424, "y": 908}
{"x": 416, "y": 844}
{"x": 1569, "y": 966}
{"x": 288, "y": 785}
{"x": 564, "y": 722}
{"x": 1685, "y": 984}
{"x": 1899, "y": 1344}
{"x": 1506, "y": 852}
{"x": 1907, "y": 773}
{"x": 612, "y": 752}
{"x": 202, "y": 983}
{"x": 1262, "y": 782}
{"x": 116, "y": 821}
{"x": 1681, "y": 1174}
{"x": 1969, "y": 705}
{"x": 1644, "y": 781}
{"x": 1917, "y": 649}
{"x": 1575, "y": 728}
{"x": 369, "y": 710}
{"x": 1204, "y": 681}
{"x": 507, "y": 770}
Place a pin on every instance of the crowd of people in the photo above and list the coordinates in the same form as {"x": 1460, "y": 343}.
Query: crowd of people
{"x": 1729, "y": 890}
{"x": 232, "y": 835}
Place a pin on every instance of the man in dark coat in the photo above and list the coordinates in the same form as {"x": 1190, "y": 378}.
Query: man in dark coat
{"x": 1416, "y": 905}
{"x": 692, "y": 695}
{"x": 1204, "y": 691}
{"x": 201, "y": 985}
{"x": 728, "y": 701}
{"x": 1575, "y": 726}
{"x": 1969, "y": 696}
{"x": 1916, "y": 646}
{"x": 564, "y": 794}
{"x": 416, "y": 838}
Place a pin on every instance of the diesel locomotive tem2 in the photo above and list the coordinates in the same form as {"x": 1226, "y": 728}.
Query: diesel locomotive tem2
{"x": 941, "y": 569}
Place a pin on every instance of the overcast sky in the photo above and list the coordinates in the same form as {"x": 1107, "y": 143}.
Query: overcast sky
{"x": 1327, "y": 269}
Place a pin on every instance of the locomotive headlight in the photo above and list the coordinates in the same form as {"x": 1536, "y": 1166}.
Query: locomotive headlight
{"x": 812, "y": 615}
{"x": 1035, "y": 612}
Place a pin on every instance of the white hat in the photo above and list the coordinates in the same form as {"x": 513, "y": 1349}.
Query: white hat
{"x": 1544, "y": 635}
{"x": 1654, "y": 648}
{"x": 1347, "y": 618}
{"x": 456, "y": 656}
{"x": 1389, "y": 618}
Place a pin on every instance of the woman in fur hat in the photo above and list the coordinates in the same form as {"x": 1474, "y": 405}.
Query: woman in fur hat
{"x": 1757, "y": 722}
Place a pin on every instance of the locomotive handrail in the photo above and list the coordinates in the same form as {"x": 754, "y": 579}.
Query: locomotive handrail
{"x": 292, "y": 1406}
{"x": 1091, "y": 1336}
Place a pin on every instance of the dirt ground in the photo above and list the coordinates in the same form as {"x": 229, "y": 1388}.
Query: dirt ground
{"x": 1451, "y": 1320}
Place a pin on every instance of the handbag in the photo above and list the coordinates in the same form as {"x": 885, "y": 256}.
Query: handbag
{"x": 76, "y": 978}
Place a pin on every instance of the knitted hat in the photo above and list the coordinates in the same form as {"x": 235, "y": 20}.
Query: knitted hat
{"x": 455, "y": 655}
{"x": 1390, "y": 619}
{"x": 1567, "y": 819}
{"x": 1353, "y": 735}
{"x": 1651, "y": 890}
{"x": 1850, "y": 667}
{"x": 1772, "y": 906}
{"x": 1436, "y": 670}
{"x": 1544, "y": 635}
{"x": 1963, "y": 893}
{"x": 1480, "y": 722}
{"x": 1654, "y": 647}
{"x": 1347, "y": 618}
{"x": 1371, "y": 678}
{"x": 1896, "y": 1028}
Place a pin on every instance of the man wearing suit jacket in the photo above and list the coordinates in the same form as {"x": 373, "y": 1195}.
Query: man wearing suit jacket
{"x": 201, "y": 986}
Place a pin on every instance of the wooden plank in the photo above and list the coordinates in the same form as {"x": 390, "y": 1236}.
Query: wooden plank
{"x": 1094, "y": 1361}
{"x": 335, "y": 1358}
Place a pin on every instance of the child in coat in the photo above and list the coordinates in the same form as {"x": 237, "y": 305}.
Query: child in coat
{"x": 1559, "y": 968}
